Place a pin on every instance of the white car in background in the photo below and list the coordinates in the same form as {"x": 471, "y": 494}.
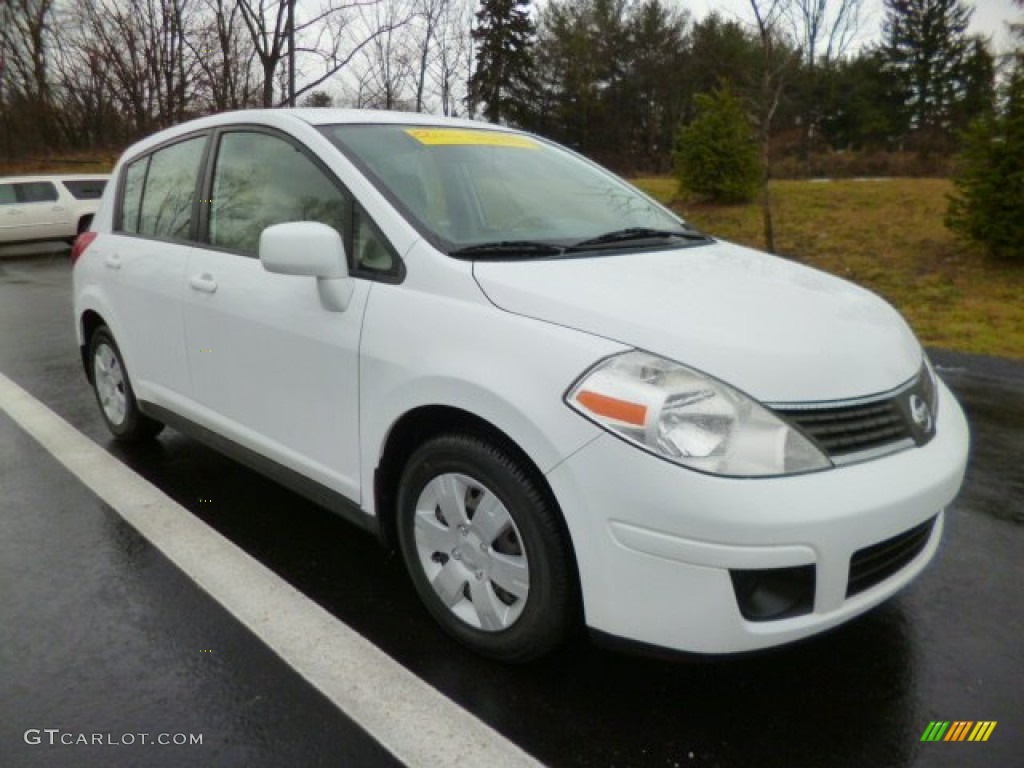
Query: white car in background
{"x": 562, "y": 403}
{"x": 48, "y": 207}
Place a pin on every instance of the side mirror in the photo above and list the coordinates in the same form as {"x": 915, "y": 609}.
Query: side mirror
{"x": 309, "y": 249}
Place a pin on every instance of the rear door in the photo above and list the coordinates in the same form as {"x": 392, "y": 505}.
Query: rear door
{"x": 47, "y": 214}
{"x": 34, "y": 213}
{"x": 143, "y": 263}
{"x": 12, "y": 218}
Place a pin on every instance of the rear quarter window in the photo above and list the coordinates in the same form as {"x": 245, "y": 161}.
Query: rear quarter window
{"x": 85, "y": 189}
{"x": 131, "y": 200}
{"x": 159, "y": 190}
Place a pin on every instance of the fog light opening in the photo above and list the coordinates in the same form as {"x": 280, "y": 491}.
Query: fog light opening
{"x": 774, "y": 593}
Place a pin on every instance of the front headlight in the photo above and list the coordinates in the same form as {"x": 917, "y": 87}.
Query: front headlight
{"x": 687, "y": 417}
{"x": 930, "y": 387}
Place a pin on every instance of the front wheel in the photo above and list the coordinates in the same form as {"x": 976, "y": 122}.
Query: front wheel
{"x": 114, "y": 392}
{"x": 484, "y": 548}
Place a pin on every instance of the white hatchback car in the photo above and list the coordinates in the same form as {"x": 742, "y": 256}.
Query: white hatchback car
{"x": 563, "y": 404}
{"x": 53, "y": 207}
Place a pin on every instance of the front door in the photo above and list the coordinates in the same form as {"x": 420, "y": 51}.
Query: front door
{"x": 272, "y": 369}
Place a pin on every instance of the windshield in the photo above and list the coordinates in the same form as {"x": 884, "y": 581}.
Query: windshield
{"x": 469, "y": 187}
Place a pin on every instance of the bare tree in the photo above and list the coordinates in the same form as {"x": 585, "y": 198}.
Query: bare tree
{"x": 88, "y": 113}
{"x": 388, "y": 57}
{"x": 142, "y": 44}
{"x": 266, "y": 22}
{"x": 823, "y": 31}
{"x": 453, "y": 55}
{"x": 224, "y": 56}
{"x": 25, "y": 37}
{"x": 777, "y": 59}
{"x": 324, "y": 37}
{"x": 428, "y": 16}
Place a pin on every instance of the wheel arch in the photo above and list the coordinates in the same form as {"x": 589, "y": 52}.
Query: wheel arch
{"x": 90, "y": 321}
{"x": 419, "y": 425}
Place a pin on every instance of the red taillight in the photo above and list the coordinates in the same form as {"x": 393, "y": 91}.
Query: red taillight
{"x": 82, "y": 242}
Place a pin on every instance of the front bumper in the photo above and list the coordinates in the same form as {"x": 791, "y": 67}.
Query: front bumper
{"x": 655, "y": 542}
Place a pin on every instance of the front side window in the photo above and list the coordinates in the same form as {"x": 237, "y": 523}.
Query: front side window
{"x": 170, "y": 189}
{"x": 35, "y": 192}
{"x": 370, "y": 250}
{"x": 260, "y": 180}
{"x": 465, "y": 187}
{"x": 7, "y": 196}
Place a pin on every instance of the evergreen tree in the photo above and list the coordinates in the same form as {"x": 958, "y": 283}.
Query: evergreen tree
{"x": 503, "y": 81}
{"x": 988, "y": 205}
{"x": 925, "y": 46}
{"x": 611, "y": 81}
{"x": 863, "y": 109}
{"x": 977, "y": 83}
{"x": 717, "y": 155}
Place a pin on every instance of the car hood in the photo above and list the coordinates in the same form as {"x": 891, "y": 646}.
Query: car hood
{"x": 780, "y": 331}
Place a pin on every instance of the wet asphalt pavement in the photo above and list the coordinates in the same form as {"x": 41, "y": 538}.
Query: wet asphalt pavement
{"x": 99, "y": 632}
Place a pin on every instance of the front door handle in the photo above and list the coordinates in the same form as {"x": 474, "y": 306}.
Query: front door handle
{"x": 113, "y": 261}
{"x": 204, "y": 283}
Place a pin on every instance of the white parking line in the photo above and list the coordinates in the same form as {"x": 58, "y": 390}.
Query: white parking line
{"x": 411, "y": 719}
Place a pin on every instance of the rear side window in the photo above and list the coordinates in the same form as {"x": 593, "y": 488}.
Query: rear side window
{"x": 260, "y": 180}
{"x": 131, "y": 199}
{"x": 35, "y": 192}
{"x": 85, "y": 189}
{"x": 169, "y": 191}
{"x": 7, "y": 196}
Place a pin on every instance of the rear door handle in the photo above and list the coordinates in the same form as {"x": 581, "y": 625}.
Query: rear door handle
{"x": 113, "y": 261}
{"x": 204, "y": 283}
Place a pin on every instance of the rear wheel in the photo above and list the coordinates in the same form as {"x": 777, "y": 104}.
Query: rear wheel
{"x": 484, "y": 548}
{"x": 114, "y": 392}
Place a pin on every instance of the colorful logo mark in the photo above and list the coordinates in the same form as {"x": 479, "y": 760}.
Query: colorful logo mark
{"x": 958, "y": 730}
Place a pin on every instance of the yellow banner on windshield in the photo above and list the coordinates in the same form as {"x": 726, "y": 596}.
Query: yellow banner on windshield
{"x": 469, "y": 137}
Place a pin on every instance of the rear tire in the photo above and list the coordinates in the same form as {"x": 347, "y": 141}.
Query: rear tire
{"x": 485, "y": 549}
{"x": 114, "y": 393}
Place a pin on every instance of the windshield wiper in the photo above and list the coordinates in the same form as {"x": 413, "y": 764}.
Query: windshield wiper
{"x": 509, "y": 248}
{"x": 631, "y": 234}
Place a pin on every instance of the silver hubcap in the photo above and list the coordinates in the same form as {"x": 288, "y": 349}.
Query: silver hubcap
{"x": 110, "y": 384}
{"x": 471, "y": 552}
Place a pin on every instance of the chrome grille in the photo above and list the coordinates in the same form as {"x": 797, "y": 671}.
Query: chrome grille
{"x": 840, "y": 431}
{"x": 862, "y": 429}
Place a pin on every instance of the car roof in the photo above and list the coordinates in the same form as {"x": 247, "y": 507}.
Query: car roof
{"x": 55, "y": 177}
{"x": 314, "y": 116}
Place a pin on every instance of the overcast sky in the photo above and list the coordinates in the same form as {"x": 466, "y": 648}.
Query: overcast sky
{"x": 989, "y": 16}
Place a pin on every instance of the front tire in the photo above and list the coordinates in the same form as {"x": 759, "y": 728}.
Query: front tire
{"x": 114, "y": 392}
{"x": 484, "y": 548}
